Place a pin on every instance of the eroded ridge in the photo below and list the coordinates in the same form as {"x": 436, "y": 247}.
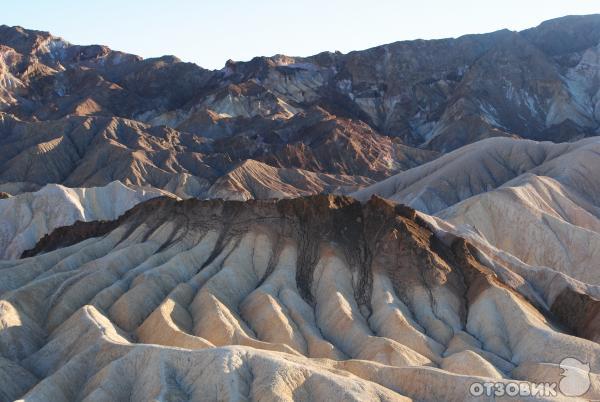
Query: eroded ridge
{"x": 308, "y": 298}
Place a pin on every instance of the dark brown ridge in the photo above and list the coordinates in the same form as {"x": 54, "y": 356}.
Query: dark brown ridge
{"x": 579, "y": 312}
{"x": 376, "y": 235}
{"x": 65, "y": 236}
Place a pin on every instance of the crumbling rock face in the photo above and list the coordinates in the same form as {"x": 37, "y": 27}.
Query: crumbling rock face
{"x": 68, "y": 235}
{"x": 580, "y": 312}
{"x": 307, "y": 298}
{"x": 255, "y": 180}
{"x": 26, "y": 218}
{"x": 317, "y": 147}
{"x": 314, "y": 298}
{"x": 88, "y": 115}
{"x": 533, "y": 201}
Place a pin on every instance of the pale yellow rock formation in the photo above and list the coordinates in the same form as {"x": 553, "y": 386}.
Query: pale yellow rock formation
{"x": 272, "y": 300}
{"x": 27, "y": 217}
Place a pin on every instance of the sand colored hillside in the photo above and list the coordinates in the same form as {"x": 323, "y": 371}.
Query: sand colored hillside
{"x": 256, "y": 180}
{"x": 310, "y": 298}
{"x": 538, "y": 220}
{"x": 536, "y": 201}
{"x": 489, "y": 164}
{"x": 26, "y": 218}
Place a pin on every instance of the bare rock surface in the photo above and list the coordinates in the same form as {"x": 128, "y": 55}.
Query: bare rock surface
{"x": 310, "y": 298}
{"x": 256, "y": 180}
{"x": 27, "y": 217}
{"x": 487, "y": 165}
{"x": 436, "y": 94}
{"x": 538, "y": 202}
{"x": 84, "y": 116}
{"x": 93, "y": 151}
{"x": 481, "y": 266}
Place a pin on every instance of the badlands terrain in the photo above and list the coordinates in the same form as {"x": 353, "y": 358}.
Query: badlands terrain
{"x": 84, "y": 116}
{"x": 311, "y": 298}
{"x": 26, "y": 218}
{"x": 396, "y": 223}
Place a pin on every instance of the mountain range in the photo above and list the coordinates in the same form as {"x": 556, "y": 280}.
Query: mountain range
{"x": 396, "y": 223}
{"x": 107, "y": 115}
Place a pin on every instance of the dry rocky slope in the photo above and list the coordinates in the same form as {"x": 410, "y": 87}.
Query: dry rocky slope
{"x": 539, "y": 202}
{"x": 307, "y": 299}
{"x": 88, "y": 115}
{"x": 26, "y": 218}
{"x": 92, "y": 151}
{"x": 493, "y": 276}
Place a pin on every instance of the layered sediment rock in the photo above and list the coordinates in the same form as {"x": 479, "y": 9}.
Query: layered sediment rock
{"x": 308, "y": 298}
{"x": 27, "y": 217}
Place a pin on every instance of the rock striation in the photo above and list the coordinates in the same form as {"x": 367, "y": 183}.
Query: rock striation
{"x": 172, "y": 246}
{"x": 27, "y": 217}
{"x": 534, "y": 201}
{"x": 307, "y": 298}
{"x": 92, "y": 151}
{"x": 256, "y": 180}
{"x": 94, "y": 115}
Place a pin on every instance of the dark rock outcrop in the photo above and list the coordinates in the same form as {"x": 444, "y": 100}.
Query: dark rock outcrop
{"x": 367, "y": 113}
